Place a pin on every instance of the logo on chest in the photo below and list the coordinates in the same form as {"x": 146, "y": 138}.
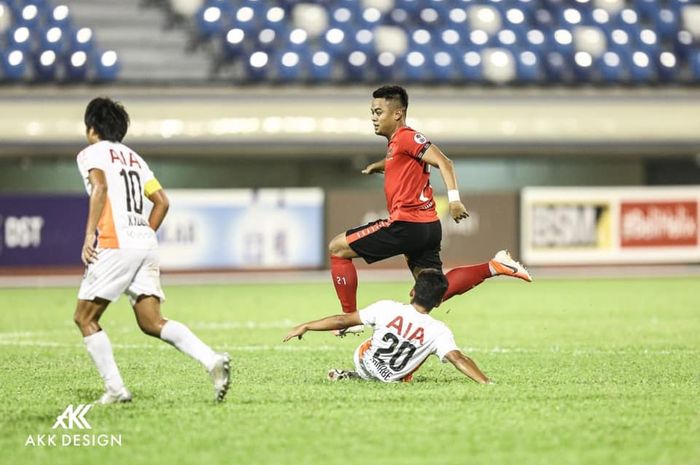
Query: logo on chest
{"x": 407, "y": 331}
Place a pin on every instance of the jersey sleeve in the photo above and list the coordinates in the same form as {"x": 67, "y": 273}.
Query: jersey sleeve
{"x": 90, "y": 158}
{"x": 415, "y": 144}
{"x": 444, "y": 344}
{"x": 369, "y": 315}
{"x": 150, "y": 183}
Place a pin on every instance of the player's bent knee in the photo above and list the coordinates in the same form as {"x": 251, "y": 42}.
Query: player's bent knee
{"x": 339, "y": 247}
{"x": 152, "y": 328}
{"x": 83, "y": 317}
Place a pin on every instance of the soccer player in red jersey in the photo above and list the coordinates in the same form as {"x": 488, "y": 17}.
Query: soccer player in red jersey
{"x": 413, "y": 227}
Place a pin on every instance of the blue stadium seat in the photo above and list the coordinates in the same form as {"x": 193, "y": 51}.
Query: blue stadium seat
{"x": 249, "y": 16}
{"x": 213, "y": 18}
{"x": 106, "y": 66}
{"x": 528, "y": 66}
{"x": 612, "y": 68}
{"x": 584, "y": 67}
{"x": 517, "y": 21}
{"x": 415, "y": 66}
{"x": 320, "y": 66}
{"x": 667, "y": 65}
{"x": 59, "y": 17}
{"x": 432, "y": 15}
{"x": 45, "y": 65}
{"x": 14, "y": 65}
{"x": 345, "y": 17}
{"x": 266, "y": 39}
{"x": 399, "y": 17}
{"x": 642, "y": 68}
{"x": 82, "y": 40}
{"x": 30, "y": 15}
{"x": 76, "y": 66}
{"x": 275, "y": 17}
{"x": 470, "y": 66}
{"x": 666, "y": 23}
{"x": 337, "y": 42}
{"x": 369, "y": 18}
{"x": 359, "y": 66}
{"x": 257, "y": 65}
{"x": 20, "y": 38}
{"x": 422, "y": 40}
{"x": 54, "y": 39}
{"x": 234, "y": 42}
{"x": 290, "y": 65}
{"x": 386, "y": 64}
{"x": 558, "y": 67}
{"x": 443, "y": 64}
{"x": 560, "y": 40}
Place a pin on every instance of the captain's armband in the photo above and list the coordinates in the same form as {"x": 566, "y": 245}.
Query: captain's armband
{"x": 151, "y": 187}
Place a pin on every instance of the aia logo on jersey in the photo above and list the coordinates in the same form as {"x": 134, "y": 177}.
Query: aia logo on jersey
{"x": 389, "y": 152}
{"x": 419, "y": 138}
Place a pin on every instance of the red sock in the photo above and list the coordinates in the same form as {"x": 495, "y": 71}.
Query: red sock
{"x": 464, "y": 278}
{"x": 344, "y": 277}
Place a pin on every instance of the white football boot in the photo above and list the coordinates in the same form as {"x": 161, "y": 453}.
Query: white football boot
{"x": 335, "y": 374}
{"x": 114, "y": 397}
{"x": 357, "y": 329}
{"x": 221, "y": 375}
{"x": 504, "y": 265}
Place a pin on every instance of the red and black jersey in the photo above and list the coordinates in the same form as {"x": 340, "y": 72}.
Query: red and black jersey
{"x": 409, "y": 196}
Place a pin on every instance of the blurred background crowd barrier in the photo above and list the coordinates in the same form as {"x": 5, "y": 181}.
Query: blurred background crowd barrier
{"x": 574, "y": 125}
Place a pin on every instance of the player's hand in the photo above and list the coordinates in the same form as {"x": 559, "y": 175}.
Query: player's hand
{"x": 89, "y": 253}
{"x": 373, "y": 168}
{"x": 296, "y": 332}
{"x": 458, "y": 211}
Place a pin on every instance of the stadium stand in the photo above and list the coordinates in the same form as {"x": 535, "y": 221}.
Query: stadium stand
{"x": 512, "y": 42}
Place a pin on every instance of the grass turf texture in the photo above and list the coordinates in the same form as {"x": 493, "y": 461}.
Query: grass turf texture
{"x": 588, "y": 372}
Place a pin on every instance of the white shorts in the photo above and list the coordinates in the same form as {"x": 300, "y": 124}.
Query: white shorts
{"x": 359, "y": 361}
{"x": 132, "y": 272}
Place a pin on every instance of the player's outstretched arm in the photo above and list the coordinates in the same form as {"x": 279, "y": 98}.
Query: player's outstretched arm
{"x": 467, "y": 366}
{"x": 376, "y": 167}
{"x": 434, "y": 157}
{"x": 98, "y": 200}
{"x": 161, "y": 204}
{"x": 341, "y": 321}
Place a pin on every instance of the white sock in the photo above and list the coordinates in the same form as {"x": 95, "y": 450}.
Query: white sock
{"x": 100, "y": 350}
{"x": 180, "y": 336}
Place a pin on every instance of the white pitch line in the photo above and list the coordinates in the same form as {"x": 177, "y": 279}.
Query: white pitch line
{"x": 296, "y": 346}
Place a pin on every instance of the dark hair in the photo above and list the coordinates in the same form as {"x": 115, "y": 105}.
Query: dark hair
{"x": 392, "y": 93}
{"x": 430, "y": 288}
{"x": 107, "y": 118}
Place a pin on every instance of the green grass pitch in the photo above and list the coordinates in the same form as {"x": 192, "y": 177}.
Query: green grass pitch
{"x": 587, "y": 372}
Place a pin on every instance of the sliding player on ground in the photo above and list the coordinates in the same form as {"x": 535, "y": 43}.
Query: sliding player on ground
{"x": 404, "y": 336}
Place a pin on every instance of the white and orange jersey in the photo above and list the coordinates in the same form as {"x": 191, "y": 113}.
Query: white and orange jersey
{"x": 403, "y": 338}
{"x": 123, "y": 224}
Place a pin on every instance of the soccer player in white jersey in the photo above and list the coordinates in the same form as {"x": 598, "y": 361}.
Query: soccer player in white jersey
{"x": 404, "y": 335}
{"x": 120, "y": 251}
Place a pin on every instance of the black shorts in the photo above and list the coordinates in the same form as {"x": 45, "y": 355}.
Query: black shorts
{"x": 419, "y": 242}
